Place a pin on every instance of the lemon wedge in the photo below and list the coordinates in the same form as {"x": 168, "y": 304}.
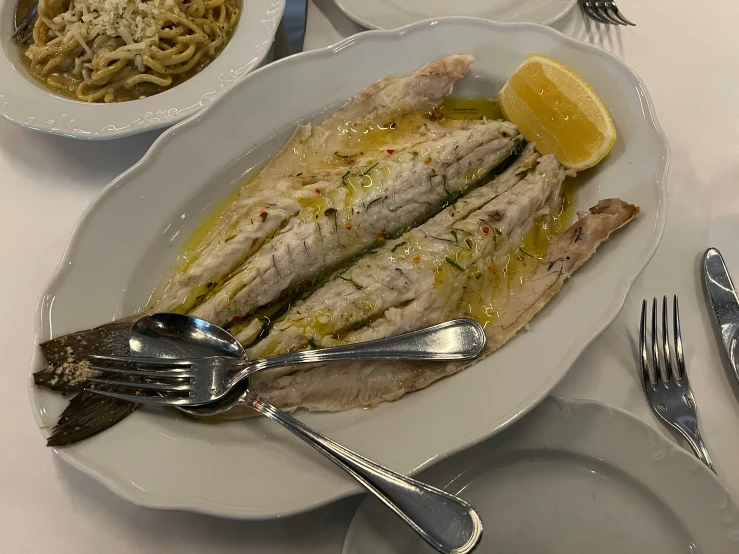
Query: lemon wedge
{"x": 555, "y": 108}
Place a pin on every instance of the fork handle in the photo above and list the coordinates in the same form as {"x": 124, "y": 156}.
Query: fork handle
{"x": 446, "y": 522}
{"x": 458, "y": 339}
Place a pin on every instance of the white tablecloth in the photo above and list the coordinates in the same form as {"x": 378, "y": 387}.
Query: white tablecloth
{"x": 686, "y": 56}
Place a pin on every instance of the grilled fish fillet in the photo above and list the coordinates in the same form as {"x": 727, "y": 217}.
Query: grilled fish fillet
{"x": 341, "y": 386}
{"x": 309, "y": 158}
{"x": 410, "y": 266}
{"x": 358, "y": 211}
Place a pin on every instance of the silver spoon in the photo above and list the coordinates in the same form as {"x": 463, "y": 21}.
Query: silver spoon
{"x": 446, "y": 522}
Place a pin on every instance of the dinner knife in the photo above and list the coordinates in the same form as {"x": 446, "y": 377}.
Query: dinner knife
{"x": 724, "y": 302}
{"x": 291, "y": 30}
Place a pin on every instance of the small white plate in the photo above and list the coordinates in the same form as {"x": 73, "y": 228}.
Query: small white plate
{"x": 573, "y": 477}
{"x": 25, "y": 102}
{"x": 387, "y": 14}
{"x": 132, "y": 234}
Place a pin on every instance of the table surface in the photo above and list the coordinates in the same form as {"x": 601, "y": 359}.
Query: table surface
{"x": 47, "y": 506}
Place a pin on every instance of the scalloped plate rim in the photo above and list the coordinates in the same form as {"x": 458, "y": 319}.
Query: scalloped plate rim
{"x": 473, "y": 436}
{"x": 675, "y": 453}
{"x": 359, "y": 20}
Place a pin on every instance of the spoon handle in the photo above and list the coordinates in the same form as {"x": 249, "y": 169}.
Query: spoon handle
{"x": 446, "y": 522}
{"x": 458, "y": 339}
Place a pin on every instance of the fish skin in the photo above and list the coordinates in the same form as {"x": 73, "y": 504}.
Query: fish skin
{"x": 404, "y": 287}
{"x": 385, "y": 280}
{"x": 342, "y": 386}
{"x": 411, "y": 190}
{"x": 300, "y": 161}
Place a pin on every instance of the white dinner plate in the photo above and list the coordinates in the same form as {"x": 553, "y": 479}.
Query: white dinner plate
{"x": 25, "y": 102}
{"x": 132, "y": 234}
{"x": 387, "y": 14}
{"x": 573, "y": 477}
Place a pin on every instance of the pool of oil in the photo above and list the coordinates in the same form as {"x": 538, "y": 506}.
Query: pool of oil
{"x": 520, "y": 264}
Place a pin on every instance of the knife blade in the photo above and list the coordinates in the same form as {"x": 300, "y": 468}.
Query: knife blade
{"x": 290, "y": 34}
{"x": 724, "y": 303}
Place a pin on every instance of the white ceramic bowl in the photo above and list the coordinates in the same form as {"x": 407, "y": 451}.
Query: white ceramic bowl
{"x": 132, "y": 234}
{"x": 25, "y": 102}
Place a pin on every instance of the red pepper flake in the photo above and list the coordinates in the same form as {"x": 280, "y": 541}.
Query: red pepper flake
{"x": 348, "y": 225}
{"x": 492, "y": 267}
{"x": 318, "y": 191}
{"x": 237, "y": 318}
{"x": 390, "y": 152}
{"x": 308, "y": 284}
{"x": 383, "y": 235}
{"x": 263, "y": 215}
{"x": 486, "y": 230}
{"x": 416, "y": 259}
{"x": 428, "y": 161}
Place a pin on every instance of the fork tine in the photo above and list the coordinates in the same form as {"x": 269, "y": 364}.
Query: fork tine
{"x": 607, "y": 16}
{"x": 612, "y": 16}
{"x": 590, "y": 10}
{"x": 644, "y": 358}
{"x": 680, "y": 358}
{"x": 666, "y": 357}
{"x": 162, "y": 387}
{"x": 172, "y": 363}
{"x": 174, "y": 374}
{"x": 617, "y": 13}
{"x": 658, "y": 369}
{"x": 26, "y": 22}
{"x": 161, "y": 400}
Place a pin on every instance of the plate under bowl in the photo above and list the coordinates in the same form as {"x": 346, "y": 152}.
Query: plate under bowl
{"x": 133, "y": 232}
{"x": 387, "y": 14}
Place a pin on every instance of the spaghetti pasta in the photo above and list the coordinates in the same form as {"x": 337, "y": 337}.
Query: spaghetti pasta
{"x": 117, "y": 50}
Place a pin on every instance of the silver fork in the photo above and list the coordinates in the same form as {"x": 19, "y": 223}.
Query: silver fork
{"x": 667, "y": 386}
{"x": 24, "y": 30}
{"x": 604, "y": 11}
{"x": 192, "y": 382}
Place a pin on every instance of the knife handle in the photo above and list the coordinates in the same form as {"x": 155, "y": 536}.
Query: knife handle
{"x": 724, "y": 302}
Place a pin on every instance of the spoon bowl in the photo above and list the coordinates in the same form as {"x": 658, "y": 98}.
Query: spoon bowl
{"x": 168, "y": 335}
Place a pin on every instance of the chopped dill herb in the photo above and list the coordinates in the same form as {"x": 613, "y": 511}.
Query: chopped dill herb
{"x": 343, "y": 178}
{"x": 263, "y": 215}
{"x": 523, "y": 171}
{"x": 371, "y": 252}
{"x": 393, "y": 125}
{"x": 361, "y": 324}
{"x": 299, "y": 174}
{"x": 312, "y": 343}
{"x": 340, "y": 156}
{"x": 451, "y": 197}
{"x": 454, "y": 234}
{"x": 366, "y": 171}
{"x": 454, "y": 264}
{"x": 398, "y": 246}
{"x": 529, "y": 255}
